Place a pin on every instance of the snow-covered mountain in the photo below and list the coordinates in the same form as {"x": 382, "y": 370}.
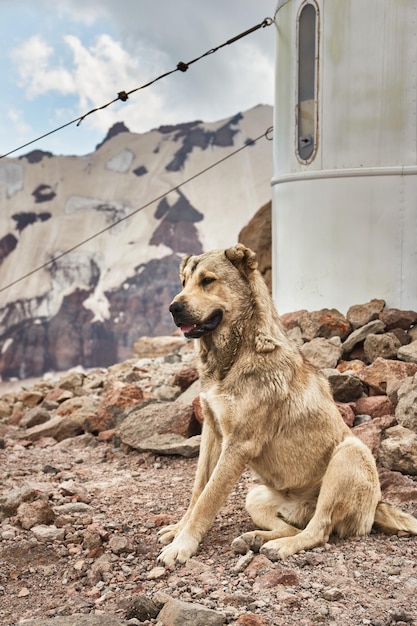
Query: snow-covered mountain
{"x": 88, "y": 307}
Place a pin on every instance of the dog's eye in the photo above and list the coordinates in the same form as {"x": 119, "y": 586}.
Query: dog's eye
{"x": 207, "y": 281}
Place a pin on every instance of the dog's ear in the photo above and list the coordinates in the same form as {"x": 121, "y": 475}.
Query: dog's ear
{"x": 183, "y": 263}
{"x": 243, "y": 258}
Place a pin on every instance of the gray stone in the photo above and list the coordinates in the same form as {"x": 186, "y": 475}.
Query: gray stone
{"x": 57, "y": 427}
{"x": 360, "y": 334}
{"x": 406, "y": 409}
{"x": 48, "y": 533}
{"x": 345, "y": 387}
{"x": 178, "y": 613}
{"x": 360, "y": 314}
{"x": 323, "y": 353}
{"x": 34, "y": 417}
{"x": 408, "y": 353}
{"x": 34, "y": 513}
{"x": 398, "y": 451}
{"x": 71, "y": 381}
{"x": 11, "y": 500}
{"x": 140, "y": 607}
{"x": 385, "y": 346}
{"x": 170, "y": 444}
{"x": 159, "y": 418}
{"x": 79, "y": 619}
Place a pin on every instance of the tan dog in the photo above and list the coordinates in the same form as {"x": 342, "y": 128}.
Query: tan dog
{"x": 265, "y": 407}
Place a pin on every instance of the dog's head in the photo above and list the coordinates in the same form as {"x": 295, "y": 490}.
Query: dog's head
{"x": 215, "y": 286}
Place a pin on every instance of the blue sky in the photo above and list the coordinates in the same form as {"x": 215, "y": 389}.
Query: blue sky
{"x": 60, "y": 59}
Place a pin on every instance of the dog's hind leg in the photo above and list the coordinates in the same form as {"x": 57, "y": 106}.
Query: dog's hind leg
{"x": 346, "y": 504}
{"x": 267, "y": 509}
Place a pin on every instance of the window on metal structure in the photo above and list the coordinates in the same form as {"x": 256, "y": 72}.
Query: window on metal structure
{"x": 307, "y": 80}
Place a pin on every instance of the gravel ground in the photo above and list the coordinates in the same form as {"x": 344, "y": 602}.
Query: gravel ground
{"x": 103, "y": 552}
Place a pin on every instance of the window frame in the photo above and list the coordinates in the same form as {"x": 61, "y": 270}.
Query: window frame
{"x": 311, "y": 104}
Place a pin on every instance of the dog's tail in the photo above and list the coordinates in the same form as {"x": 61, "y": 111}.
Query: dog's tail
{"x": 391, "y": 520}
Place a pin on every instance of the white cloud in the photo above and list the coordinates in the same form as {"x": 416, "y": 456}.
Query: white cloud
{"x": 20, "y": 127}
{"x": 33, "y": 60}
{"x": 126, "y": 44}
{"x": 95, "y": 76}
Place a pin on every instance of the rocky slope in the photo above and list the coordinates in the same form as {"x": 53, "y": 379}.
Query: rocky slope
{"x": 88, "y": 307}
{"x": 93, "y": 463}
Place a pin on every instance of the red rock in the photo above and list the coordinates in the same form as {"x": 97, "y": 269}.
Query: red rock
{"x": 15, "y": 417}
{"x": 251, "y": 619}
{"x": 259, "y": 563}
{"x": 106, "y": 435}
{"x": 324, "y": 323}
{"x": 58, "y": 395}
{"x": 355, "y": 365}
{"x": 370, "y": 435}
{"x": 185, "y": 377}
{"x": 161, "y": 519}
{"x": 275, "y": 577}
{"x": 44, "y": 442}
{"x": 113, "y": 404}
{"x": 371, "y": 432}
{"x": 382, "y": 370}
{"x": 397, "y": 488}
{"x": 291, "y": 320}
{"x": 347, "y": 412}
{"x": 375, "y": 406}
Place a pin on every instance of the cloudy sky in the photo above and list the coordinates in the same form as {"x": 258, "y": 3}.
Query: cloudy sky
{"x": 60, "y": 59}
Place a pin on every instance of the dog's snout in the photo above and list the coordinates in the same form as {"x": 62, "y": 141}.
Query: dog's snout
{"x": 176, "y": 307}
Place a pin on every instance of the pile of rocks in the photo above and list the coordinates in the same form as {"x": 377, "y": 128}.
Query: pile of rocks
{"x": 151, "y": 403}
{"x": 370, "y": 359}
{"x": 60, "y": 435}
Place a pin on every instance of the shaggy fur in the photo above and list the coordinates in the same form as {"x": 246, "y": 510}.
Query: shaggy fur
{"x": 265, "y": 407}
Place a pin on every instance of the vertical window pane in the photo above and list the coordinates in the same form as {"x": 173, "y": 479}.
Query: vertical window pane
{"x": 306, "y": 81}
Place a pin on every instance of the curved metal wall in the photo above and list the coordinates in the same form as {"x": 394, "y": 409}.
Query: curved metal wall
{"x": 345, "y": 222}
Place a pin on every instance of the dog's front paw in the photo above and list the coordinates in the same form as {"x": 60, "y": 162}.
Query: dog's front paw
{"x": 278, "y": 549}
{"x": 248, "y": 541}
{"x": 168, "y": 533}
{"x": 179, "y": 551}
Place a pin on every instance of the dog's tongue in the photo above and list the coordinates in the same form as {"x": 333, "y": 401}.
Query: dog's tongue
{"x": 186, "y": 328}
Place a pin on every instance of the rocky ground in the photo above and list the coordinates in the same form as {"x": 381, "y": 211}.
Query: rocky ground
{"x": 91, "y": 465}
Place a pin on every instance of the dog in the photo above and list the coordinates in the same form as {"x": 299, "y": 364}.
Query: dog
{"x": 265, "y": 407}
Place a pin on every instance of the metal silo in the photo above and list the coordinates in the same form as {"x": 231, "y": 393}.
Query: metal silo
{"x": 345, "y": 154}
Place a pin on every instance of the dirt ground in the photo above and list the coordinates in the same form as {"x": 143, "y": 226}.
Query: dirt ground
{"x": 109, "y": 506}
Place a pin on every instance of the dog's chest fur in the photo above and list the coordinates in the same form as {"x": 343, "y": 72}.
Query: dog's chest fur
{"x": 220, "y": 408}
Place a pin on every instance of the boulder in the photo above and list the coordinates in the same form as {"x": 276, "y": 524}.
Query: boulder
{"x": 385, "y": 346}
{"x": 178, "y": 613}
{"x": 406, "y": 409}
{"x": 170, "y": 444}
{"x": 345, "y": 388}
{"x": 382, "y": 370}
{"x": 323, "y": 353}
{"x": 324, "y": 323}
{"x": 58, "y": 427}
{"x": 360, "y": 314}
{"x": 360, "y": 334}
{"x": 408, "y": 353}
{"x": 396, "y": 318}
{"x": 375, "y": 406}
{"x": 31, "y": 514}
{"x": 398, "y": 451}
